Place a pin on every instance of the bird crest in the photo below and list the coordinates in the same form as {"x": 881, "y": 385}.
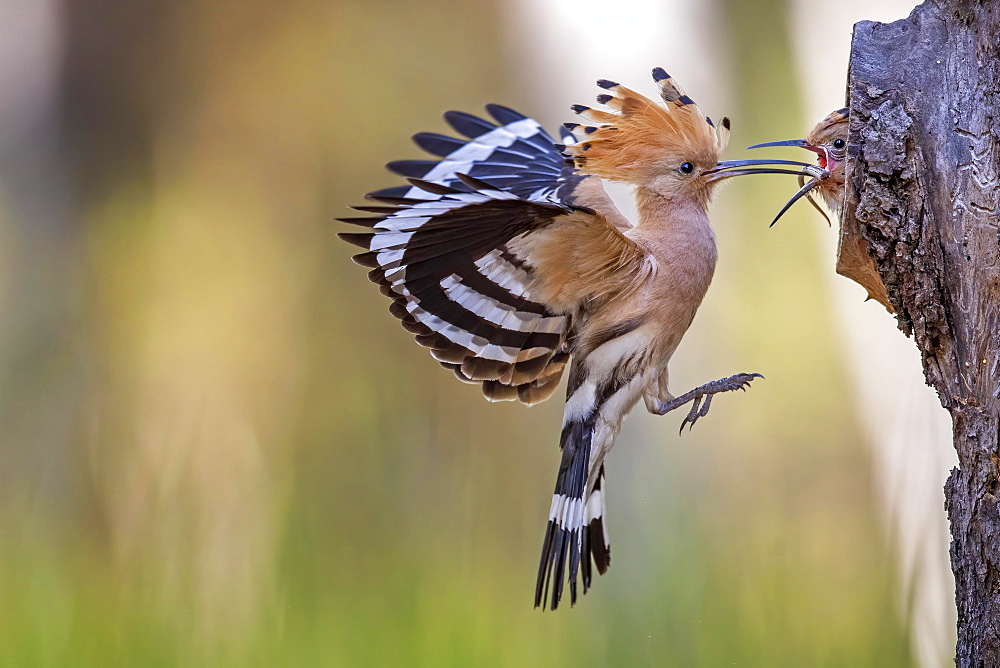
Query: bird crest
{"x": 636, "y": 135}
{"x": 828, "y": 128}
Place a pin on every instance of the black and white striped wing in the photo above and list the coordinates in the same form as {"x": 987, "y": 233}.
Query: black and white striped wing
{"x": 466, "y": 295}
{"x": 514, "y": 155}
{"x": 439, "y": 251}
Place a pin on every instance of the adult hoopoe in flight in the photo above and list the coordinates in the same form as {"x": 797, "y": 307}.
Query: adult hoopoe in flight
{"x": 509, "y": 261}
{"x": 829, "y": 141}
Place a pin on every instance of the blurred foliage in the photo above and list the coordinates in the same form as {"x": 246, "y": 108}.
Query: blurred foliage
{"x": 256, "y": 466}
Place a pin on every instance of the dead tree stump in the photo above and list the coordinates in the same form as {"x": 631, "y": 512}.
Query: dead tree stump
{"x": 923, "y": 190}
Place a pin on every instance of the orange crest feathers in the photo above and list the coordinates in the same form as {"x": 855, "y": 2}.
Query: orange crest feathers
{"x": 639, "y": 138}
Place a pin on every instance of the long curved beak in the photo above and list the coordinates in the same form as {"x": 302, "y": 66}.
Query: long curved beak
{"x": 803, "y": 191}
{"x": 729, "y": 168}
{"x": 804, "y": 187}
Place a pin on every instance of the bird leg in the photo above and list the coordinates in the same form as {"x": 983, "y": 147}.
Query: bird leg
{"x": 701, "y": 397}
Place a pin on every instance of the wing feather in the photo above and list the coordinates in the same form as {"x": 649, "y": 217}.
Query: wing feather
{"x": 460, "y": 250}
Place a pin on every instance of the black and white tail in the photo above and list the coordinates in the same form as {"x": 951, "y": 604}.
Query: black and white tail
{"x": 576, "y": 538}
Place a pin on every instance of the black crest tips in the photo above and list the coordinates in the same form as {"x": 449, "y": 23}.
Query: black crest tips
{"x": 605, "y": 83}
{"x": 571, "y": 126}
{"x": 725, "y": 122}
{"x": 604, "y": 99}
{"x": 579, "y": 108}
{"x": 659, "y": 74}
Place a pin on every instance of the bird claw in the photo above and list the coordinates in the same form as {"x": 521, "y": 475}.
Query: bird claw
{"x": 697, "y": 411}
{"x": 701, "y": 397}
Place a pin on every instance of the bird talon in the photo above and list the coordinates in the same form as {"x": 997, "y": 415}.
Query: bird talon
{"x": 701, "y": 397}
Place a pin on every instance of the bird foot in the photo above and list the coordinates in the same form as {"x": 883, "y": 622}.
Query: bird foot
{"x": 702, "y": 397}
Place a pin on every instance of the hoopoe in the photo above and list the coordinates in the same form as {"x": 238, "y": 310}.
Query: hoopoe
{"x": 510, "y": 262}
{"x": 829, "y": 141}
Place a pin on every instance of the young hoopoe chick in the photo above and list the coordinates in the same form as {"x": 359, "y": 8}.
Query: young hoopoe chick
{"x": 829, "y": 141}
{"x": 511, "y": 263}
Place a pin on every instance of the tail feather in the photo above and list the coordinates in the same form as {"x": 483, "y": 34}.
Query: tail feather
{"x": 596, "y": 544}
{"x": 575, "y": 538}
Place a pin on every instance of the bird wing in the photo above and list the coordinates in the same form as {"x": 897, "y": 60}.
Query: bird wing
{"x": 489, "y": 254}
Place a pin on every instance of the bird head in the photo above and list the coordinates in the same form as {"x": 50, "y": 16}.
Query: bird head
{"x": 670, "y": 148}
{"x": 828, "y": 140}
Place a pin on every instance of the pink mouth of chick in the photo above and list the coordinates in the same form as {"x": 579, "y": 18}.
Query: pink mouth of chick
{"x": 822, "y": 159}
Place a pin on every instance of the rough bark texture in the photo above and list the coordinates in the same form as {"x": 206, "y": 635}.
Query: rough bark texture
{"x": 923, "y": 187}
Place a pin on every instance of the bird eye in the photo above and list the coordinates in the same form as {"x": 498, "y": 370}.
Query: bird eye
{"x": 839, "y": 143}
{"x": 686, "y": 168}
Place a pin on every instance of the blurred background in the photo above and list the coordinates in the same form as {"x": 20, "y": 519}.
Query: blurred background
{"x": 219, "y": 448}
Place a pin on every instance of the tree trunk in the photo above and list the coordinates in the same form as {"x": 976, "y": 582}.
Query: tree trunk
{"x": 923, "y": 190}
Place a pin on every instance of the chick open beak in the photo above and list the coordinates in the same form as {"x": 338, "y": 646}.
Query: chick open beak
{"x": 803, "y": 190}
{"x": 804, "y": 187}
{"x": 729, "y": 168}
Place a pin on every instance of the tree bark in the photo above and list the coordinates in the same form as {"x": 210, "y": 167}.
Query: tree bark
{"x": 923, "y": 191}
